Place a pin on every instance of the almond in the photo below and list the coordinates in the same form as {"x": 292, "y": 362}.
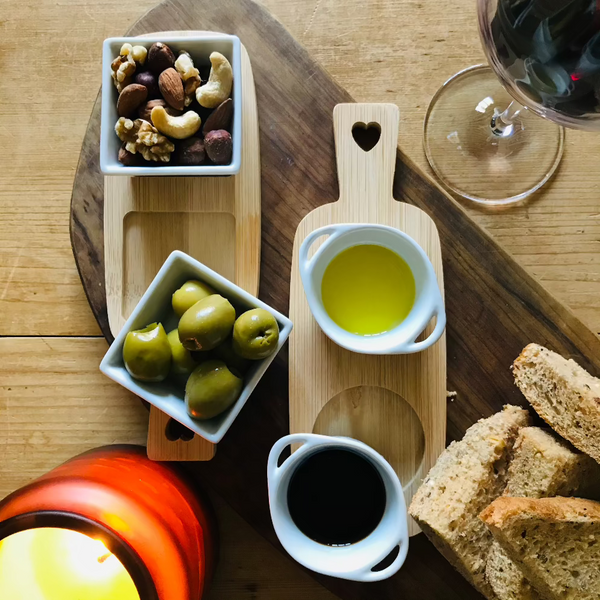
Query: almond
{"x": 130, "y": 98}
{"x": 220, "y": 117}
{"x": 171, "y": 88}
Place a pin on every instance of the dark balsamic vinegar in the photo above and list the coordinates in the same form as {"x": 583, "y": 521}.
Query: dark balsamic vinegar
{"x": 336, "y": 497}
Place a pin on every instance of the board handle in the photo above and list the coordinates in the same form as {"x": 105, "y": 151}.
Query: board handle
{"x": 366, "y": 162}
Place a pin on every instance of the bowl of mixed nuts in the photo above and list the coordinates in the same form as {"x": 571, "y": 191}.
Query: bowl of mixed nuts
{"x": 171, "y": 106}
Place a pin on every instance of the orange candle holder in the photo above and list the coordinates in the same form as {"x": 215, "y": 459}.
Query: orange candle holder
{"x": 146, "y": 515}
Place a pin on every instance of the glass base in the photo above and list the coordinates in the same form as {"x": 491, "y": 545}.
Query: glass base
{"x": 470, "y": 159}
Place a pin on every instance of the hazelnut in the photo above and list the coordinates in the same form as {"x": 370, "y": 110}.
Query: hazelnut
{"x": 191, "y": 152}
{"x": 160, "y": 57}
{"x": 218, "y": 146}
{"x": 128, "y": 159}
{"x": 150, "y": 82}
{"x": 145, "y": 111}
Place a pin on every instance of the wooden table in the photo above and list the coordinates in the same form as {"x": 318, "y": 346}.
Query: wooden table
{"x": 53, "y": 401}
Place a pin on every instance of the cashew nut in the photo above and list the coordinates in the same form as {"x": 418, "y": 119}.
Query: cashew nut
{"x": 220, "y": 81}
{"x": 177, "y": 128}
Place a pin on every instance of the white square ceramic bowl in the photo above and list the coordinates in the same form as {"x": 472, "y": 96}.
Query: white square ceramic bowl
{"x": 155, "y": 305}
{"x": 199, "y": 48}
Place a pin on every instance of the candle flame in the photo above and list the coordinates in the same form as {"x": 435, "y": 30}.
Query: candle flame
{"x": 60, "y": 564}
{"x": 104, "y": 557}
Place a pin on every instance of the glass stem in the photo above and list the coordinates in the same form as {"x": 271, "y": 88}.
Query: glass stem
{"x": 502, "y": 123}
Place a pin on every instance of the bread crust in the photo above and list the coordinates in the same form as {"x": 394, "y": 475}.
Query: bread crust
{"x": 557, "y": 509}
{"x": 467, "y": 476}
{"x": 564, "y": 394}
{"x": 554, "y": 541}
{"x": 543, "y": 465}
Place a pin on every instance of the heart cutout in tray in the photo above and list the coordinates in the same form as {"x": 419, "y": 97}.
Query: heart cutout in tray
{"x": 366, "y": 136}
{"x": 176, "y": 431}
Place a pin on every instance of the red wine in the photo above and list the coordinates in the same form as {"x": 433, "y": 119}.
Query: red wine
{"x": 550, "y": 49}
{"x": 336, "y": 497}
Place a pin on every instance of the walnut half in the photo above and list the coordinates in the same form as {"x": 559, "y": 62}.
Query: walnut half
{"x": 123, "y": 67}
{"x": 140, "y": 136}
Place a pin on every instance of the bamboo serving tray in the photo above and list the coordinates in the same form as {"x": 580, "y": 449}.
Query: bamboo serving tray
{"x": 214, "y": 219}
{"x": 395, "y": 404}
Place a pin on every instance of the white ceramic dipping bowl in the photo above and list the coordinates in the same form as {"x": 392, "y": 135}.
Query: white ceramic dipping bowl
{"x": 428, "y": 298}
{"x": 355, "y": 562}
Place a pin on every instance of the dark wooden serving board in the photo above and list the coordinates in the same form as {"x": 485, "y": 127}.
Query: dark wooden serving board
{"x": 494, "y": 306}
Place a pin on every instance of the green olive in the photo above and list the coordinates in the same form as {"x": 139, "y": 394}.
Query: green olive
{"x": 188, "y": 294}
{"x": 206, "y": 324}
{"x": 211, "y": 389}
{"x": 147, "y": 353}
{"x": 183, "y": 362}
{"x": 255, "y": 334}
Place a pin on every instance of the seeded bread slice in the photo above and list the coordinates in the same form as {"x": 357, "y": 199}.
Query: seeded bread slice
{"x": 506, "y": 578}
{"x": 467, "y": 476}
{"x": 543, "y": 465}
{"x": 566, "y": 396}
{"x": 555, "y": 541}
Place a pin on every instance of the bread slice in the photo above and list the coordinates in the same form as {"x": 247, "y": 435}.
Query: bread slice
{"x": 506, "y": 578}
{"x": 543, "y": 465}
{"x": 566, "y": 396}
{"x": 467, "y": 476}
{"x": 555, "y": 541}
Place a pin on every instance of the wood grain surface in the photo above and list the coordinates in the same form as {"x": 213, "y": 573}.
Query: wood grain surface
{"x": 396, "y": 51}
{"x": 494, "y": 306}
{"x": 396, "y": 403}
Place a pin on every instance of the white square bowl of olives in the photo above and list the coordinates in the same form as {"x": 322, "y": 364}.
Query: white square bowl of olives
{"x": 230, "y": 339}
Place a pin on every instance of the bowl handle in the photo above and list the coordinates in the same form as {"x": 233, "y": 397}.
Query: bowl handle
{"x": 306, "y": 263}
{"x": 308, "y": 440}
{"x": 366, "y": 575}
{"x": 437, "y": 311}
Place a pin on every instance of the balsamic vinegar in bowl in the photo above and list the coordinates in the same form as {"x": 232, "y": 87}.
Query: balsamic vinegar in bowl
{"x": 336, "y": 497}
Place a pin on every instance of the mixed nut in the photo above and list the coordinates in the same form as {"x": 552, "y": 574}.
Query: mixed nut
{"x": 163, "y": 101}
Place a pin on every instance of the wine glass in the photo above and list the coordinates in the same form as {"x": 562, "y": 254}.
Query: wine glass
{"x": 484, "y": 138}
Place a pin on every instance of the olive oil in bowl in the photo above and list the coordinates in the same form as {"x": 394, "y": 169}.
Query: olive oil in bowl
{"x": 368, "y": 289}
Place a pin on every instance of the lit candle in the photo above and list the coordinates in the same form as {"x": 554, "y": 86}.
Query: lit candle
{"x": 60, "y": 564}
{"x": 57, "y": 533}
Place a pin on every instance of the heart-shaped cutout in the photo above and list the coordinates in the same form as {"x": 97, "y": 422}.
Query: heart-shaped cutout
{"x": 366, "y": 136}
{"x": 176, "y": 431}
